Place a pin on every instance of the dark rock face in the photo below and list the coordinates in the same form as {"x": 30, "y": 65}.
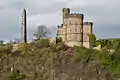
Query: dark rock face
{"x": 68, "y": 69}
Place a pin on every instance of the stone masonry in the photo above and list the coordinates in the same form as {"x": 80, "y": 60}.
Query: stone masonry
{"x": 74, "y": 31}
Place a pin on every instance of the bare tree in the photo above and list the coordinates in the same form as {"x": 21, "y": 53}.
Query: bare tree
{"x": 10, "y": 42}
{"x": 16, "y": 41}
{"x": 42, "y": 32}
{"x": 1, "y": 42}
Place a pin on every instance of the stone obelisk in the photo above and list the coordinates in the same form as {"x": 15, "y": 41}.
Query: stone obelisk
{"x": 24, "y": 27}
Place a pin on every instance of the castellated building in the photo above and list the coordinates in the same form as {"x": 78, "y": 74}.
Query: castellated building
{"x": 74, "y": 31}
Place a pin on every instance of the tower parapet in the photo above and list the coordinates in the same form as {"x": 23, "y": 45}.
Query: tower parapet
{"x": 65, "y": 11}
{"x": 60, "y": 26}
{"x": 88, "y": 23}
{"x": 77, "y": 15}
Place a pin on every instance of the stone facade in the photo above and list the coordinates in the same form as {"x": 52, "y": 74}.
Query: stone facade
{"x": 74, "y": 31}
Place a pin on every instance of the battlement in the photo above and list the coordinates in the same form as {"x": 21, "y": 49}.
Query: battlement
{"x": 87, "y": 23}
{"x": 78, "y": 15}
{"x": 66, "y": 9}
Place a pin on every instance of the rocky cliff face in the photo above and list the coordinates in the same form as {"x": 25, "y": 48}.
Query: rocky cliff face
{"x": 50, "y": 65}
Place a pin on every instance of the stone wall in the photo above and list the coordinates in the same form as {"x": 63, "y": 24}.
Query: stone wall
{"x": 86, "y": 44}
{"x": 73, "y": 43}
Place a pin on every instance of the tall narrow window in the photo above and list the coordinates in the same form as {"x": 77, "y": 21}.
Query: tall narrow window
{"x": 75, "y": 29}
{"x": 75, "y": 24}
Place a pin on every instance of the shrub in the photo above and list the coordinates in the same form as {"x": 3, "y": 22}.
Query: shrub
{"x": 6, "y": 48}
{"x": 82, "y": 53}
{"x": 16, "y": 75}
{"x": 58, "y": 39}
{"x": 61, "y": 46}
{"x": 22, "y": 47}
{"x": 41, "y": 43}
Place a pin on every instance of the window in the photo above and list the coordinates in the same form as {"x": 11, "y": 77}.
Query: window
{"x": 75, "y": 29}
{"x": 76, "y": 24}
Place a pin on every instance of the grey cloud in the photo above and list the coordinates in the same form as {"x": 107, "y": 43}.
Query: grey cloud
{"x": 104, "y": 14}
{"x": 38, "y": 6}
{"x": 10, "y": 22}
{"x": 107, "y": 30}
{"x": 105, "y": 18}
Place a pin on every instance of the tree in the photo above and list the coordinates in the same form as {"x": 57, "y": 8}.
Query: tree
{"x": 92, "y": 39}
{"x": 16, "y": 41}
{"x": 11, "y": 42}
{"x": 103, "y": 43}
{"x": 42, "y": 32}
{"x": 1, "y": 42}
{"x": 116, "y": 47}
{"x": 16, "y": 75}
{"x": 109, "y": 44}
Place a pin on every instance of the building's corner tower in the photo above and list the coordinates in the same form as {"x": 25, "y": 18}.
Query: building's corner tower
{"x": 24, "y": 27}
{"x": 87, "y": 30}
{"x": 75, "y": 29}
{"x": 65, "y": 12}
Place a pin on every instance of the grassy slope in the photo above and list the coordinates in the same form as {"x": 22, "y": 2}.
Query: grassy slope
{"x": 39, "y": 61}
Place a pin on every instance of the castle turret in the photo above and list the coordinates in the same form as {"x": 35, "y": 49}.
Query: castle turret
{"x": 88, "y": 27}
{"x": 87, "y": 30}
{"x": 65, "y": 12}
{"x": 24, "y": 29}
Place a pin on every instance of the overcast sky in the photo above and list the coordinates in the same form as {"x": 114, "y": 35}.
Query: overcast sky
{"x": 105, "y": 14}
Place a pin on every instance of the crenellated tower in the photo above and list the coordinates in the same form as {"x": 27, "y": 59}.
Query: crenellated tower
{"x": 65, "y": 12}
{"x": 87, "y": 30}
{"x": 72, "y": 30}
